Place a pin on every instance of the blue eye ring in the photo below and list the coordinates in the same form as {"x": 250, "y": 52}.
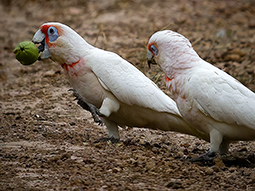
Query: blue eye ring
{"x": 154, "y": 50}
{"x": 52, "y": 33}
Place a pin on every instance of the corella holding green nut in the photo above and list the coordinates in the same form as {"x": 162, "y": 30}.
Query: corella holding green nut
{"x": 123, "y": 94}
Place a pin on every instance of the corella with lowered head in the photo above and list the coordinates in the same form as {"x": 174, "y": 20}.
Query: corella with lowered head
{"x": 207, "y": 97}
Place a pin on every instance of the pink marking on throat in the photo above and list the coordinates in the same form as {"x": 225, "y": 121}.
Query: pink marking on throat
{"x": 73, "y": 64}
{"x": 168, "y": 79}
{"x": 70, "y": 66}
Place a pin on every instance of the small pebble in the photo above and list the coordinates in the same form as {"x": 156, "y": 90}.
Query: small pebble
{"x": 209, "y": 171}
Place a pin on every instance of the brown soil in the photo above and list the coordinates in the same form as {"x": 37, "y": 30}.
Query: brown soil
{"x": 47, "y": 141}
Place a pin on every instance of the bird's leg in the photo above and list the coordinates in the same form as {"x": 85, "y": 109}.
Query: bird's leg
{"x": 224, "y": 147}
{"x": 216, "y": 146}
{"x": 94, "y": 112}
{"x": 113, "y": 129}
{"x": 87, "y": 106}
{"x": 113, "y": 132}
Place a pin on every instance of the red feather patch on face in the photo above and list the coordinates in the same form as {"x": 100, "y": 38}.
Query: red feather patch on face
{"x": 44, "y": 29}
{"x": 149, "y": 47}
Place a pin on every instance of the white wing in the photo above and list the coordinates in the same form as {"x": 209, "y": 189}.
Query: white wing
{"x": 127, "y": 83}
{"x": 222, "y": 97}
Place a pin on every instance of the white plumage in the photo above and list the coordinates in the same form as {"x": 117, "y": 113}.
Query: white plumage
{"x": 123, "y": 94}
{"x": 207, "y": 97}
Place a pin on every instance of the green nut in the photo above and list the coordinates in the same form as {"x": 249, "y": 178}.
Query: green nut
{"x": 26, "y": 52}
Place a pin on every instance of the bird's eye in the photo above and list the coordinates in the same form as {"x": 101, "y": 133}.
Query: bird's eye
{"x": 154, "y": 50}
{"x": 51, "y": 31}
{"x": 53, "y": 34}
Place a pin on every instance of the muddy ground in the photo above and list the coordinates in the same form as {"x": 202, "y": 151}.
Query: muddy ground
{"x": 48, "y": 142}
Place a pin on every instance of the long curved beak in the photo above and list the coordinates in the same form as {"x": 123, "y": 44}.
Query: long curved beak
{"x": 39, "y": 38}
{"x": 150, "y": 59}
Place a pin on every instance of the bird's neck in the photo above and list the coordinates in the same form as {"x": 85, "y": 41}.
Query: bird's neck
{"x": 177, "y": 68}
{"x": 179, "y": 62}
{"x": 69, "y": 54}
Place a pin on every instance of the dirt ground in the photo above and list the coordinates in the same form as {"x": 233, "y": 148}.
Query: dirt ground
{"x": 48, "y": 142}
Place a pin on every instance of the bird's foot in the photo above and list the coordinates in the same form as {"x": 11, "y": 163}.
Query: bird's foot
{"x": 205, "y": 158}
{"x": 97, "y": 120}
{"x": 96, "y": 114}
{"x": 76, "y": 95}
{"x": 106, "y": 139}
{"x": 88, "y": 107}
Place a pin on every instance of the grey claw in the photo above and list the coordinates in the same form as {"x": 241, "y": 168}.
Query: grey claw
{"x": 205, "y": 158}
